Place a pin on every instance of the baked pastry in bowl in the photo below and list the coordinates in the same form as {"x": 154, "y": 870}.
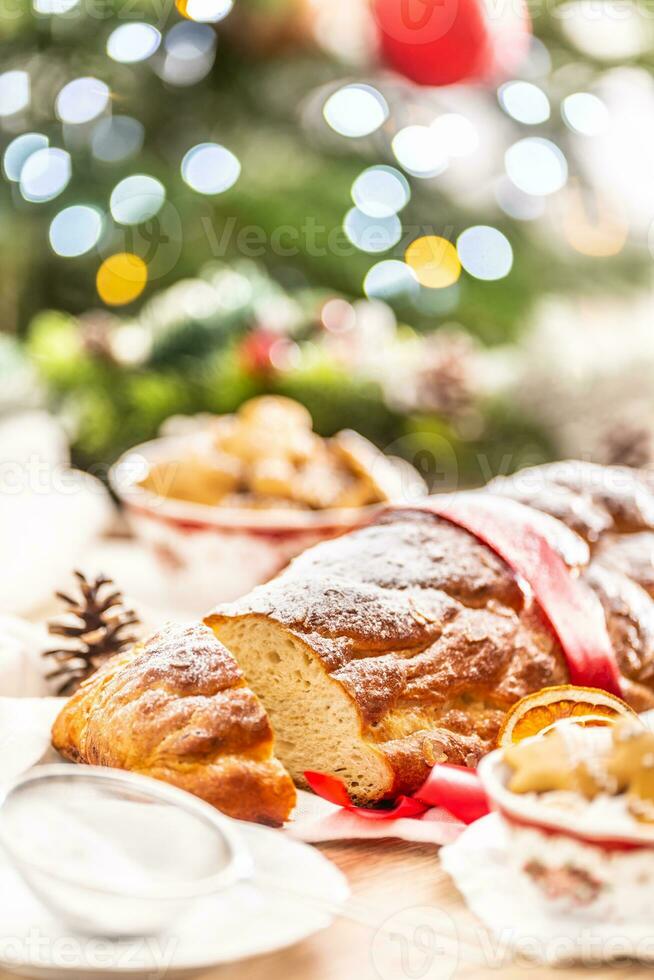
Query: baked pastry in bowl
{"x": 177, "y": 708}
{"x": 578, "y": 808}
{"x": 404, "y": 643}
{"x": 228, "y": 501}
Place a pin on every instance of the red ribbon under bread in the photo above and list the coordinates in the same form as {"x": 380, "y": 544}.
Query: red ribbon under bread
{"x": 518, "y": 535}
{"x": 455, "y": 788}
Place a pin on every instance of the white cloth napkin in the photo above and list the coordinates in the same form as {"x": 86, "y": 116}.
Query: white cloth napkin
{"x": 49, "y": 513}
{"x": 25, "y": 725}
{"x": 21, "y": 666}
{"x": 316, "y": 820}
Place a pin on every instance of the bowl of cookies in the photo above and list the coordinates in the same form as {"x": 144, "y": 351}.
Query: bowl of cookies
{"x": 224, "y": 502}
{"x": 577, "y": 805}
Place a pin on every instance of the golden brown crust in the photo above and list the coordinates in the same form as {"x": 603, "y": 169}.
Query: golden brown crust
{"x": 177, "y": 708}
{"x": 428, "y": 632}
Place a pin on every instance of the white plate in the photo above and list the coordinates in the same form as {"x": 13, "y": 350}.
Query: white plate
{"x": 247, "y": 920}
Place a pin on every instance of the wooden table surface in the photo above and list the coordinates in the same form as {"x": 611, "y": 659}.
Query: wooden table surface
{"x": 418, "y": 928}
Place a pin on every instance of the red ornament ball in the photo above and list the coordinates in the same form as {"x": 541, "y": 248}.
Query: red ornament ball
{"x": 442, "y": 42}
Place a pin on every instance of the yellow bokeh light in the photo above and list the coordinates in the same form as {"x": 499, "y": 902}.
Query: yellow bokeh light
{"x": 182, "y": 8}
{"x": 434, "y": 261}
{"x": 121, "y": 278}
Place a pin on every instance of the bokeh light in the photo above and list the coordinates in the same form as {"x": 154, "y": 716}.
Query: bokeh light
{"x": 419, "y": 151}
{"x": 457, "y": 135}
{"x": 136, "y": 199}
{"x": 338, "y": 316}
{"x": 121, "y": 279}
{"x": 434, "y": 261}
{"x": 524, "y": 102}
{"x": 75, "y": 230}
{"x": 537, "y": 166}
{"x": 538, "y": 62}
{"x": 45, "y": 174}
{"x": 19, "y": 150}
{"x": 210, "y": 168}
{"x": 606, "y": 29}
{"x": 190, "y": 53}
{"x": 381, "y": 191}
{"x": 117, "y": 138}
{"x": 592, "y": 223}
{"x": 390, "y": 279}
{"x": 130, "y": 43}
{"x": 204, "y": 11}
{"x": 82, "y": 100}
{"x": 517, "y": 204}
{"x": 372, "y": 234}
{"x": 485, "y": 252}
{"x": 49, "y": 7}
{"x": 585, "y": 113}
{"x": 14, "y": 92}
{"x": 356, "y": 110}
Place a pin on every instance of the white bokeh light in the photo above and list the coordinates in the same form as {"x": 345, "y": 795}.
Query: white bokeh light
{"x": 45, "y": 174}
{"x": 538, "y": 62}
{"x": 208, "y": 11}
{"x": 381, "y": 191}
{"x": 82, "y": 100}
{"x": 458, "y": 137}
{"x": 419, "y": 151}
{"x": 610, "y": 30}
{"x": 585, "y": 113}
{"x": 524, "y": 102}
{"x": 130, "y": 43}
{"x": 189, "y": 41}
{"x": 517, "y": 204}
{"x": 210, "y": 168}
{"x": 50, "y": 7}
{"x": 18, "y": 152}
{"x": 484, "y": 252}
{"x": 136, "y": 199}
{"x": 372, "y": 234}
{"x": 536, "y": 166}
{"x": 190, "y": 53}
{"x": 14, "y": 92}
{"x": 75, "y": 230}
{"x": 117, "y": 138}
{"x": 356, "y": 110}
{"x": 338, "y": 316}
{"x": 390, "y": 279}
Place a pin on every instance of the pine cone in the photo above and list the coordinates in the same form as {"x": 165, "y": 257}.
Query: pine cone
{"x": 99, "y": 632}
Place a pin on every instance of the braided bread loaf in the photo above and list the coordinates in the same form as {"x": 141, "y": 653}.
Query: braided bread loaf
{"x": 404, "y": 643}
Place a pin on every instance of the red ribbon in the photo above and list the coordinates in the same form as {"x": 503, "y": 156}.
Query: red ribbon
{"x": 515, "y": 533}
{"x": 454, "y": 788}
{"x": 457, "y": 789}
{"x": 573, "y": 611}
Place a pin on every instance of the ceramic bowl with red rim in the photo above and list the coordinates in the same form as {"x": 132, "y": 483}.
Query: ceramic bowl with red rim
{"x": 216, "y": 553}
{"x": 583, "y": 857}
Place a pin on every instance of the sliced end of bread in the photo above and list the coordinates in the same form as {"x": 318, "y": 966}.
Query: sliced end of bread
{"x": 316, "y": 724}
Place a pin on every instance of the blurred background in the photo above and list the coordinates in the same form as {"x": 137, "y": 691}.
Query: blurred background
{"x": 428, "y": 220}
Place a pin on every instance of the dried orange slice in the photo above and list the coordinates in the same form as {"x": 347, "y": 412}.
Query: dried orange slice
{"x": 538, "y": 711}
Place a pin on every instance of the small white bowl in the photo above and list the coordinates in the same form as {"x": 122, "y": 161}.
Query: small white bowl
{"x": 215, "y": 554}
{"x": 113, "y": 853}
